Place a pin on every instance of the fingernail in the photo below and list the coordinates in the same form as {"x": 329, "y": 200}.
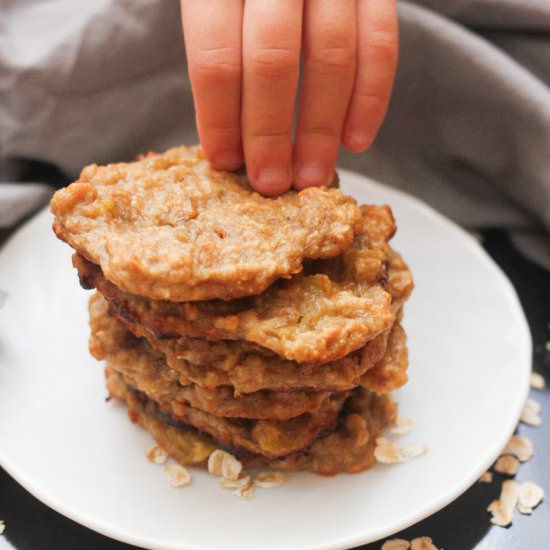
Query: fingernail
{"x": 358, "y": 141}
{"x": 272, "y": 180}
{"x": 227, "y": 161}
{"x": 312, "y": 173}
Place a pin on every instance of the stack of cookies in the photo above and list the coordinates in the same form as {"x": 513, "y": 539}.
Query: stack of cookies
{"x": 269, "y": 327}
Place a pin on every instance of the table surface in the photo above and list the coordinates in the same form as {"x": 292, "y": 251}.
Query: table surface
{"x": 463, "y": 525}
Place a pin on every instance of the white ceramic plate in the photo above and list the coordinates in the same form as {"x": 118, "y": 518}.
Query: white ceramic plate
{"x": 470, "y": 354}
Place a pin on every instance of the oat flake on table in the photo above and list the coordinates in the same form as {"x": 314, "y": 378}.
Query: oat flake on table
{"x": 503, "y": 508}
{"x": 519, "y": 446}
{"x": 507, "y": 464}
{"x": 486, "y": 477}
{"x": 423, "y": 543}
{"x": 529, "y": 497}
{"x": 530, "y": 413}
{"x": 537, "y": 381}
{"x": 396, "y": 544}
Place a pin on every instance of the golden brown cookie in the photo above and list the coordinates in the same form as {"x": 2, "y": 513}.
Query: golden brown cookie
{"x": 322, "y": 315}
{"x": 169, "y": 227}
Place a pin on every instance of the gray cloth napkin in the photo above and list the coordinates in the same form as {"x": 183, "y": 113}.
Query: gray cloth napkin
{"x": 468, "y": 129}
{"x": 17, "y": 200}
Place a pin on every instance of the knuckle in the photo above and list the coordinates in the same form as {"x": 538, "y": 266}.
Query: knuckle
{"x": 220, "y": 128}
{"x": 384, "y": 45}
{"x": 273, "y": 62}
{"x": 367, "y": 111}
{"x": 374, "y": 100}
{"x": 332, "y": 57}
{"x": 332, "y": 44}
{"x": 379, "y": 103}
{"x": 271, "y": 134}
{"x": 268, "y": 139}
{"x": 320, "y": 132}
{"x": 216, "y": 65}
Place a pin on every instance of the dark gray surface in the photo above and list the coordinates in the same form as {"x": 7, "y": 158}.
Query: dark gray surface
{"x": 463, "y": 525}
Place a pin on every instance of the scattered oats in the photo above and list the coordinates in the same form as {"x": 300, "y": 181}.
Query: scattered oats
{"x": 231, "y": 468}
{"x": 520, "y": 447}
{"x": 224, "y": 464}
{"x": 177, "y": 475}
{"x": 486, "y": 477}
{"x": 537, "y": 381}
{"x": 215, "y": 462}
{"x": 388, "y": 452}
{"x": 420, "y": 543}
{"x": 267, "y": 480}
{"x": 402, "y": 426}
{"x": 529, "y": 497}
{"x": 156, "y": 454}
{"x": 2, "y": 526}
{"x": 245, "y": 492}
{"x": 507, "y": 464}
{"x": 530, "y": 413}
{"x": 547, "y": 346}
{"x": 413, "y": 451}
{"x": 235, "y": 483}
{"x": 396, "y": 544}
{"x": 533, "y": 405}
{"x": 423, "y": 543}
{"x": 503, "y": 508}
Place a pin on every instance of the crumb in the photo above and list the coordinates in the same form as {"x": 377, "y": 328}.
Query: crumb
{"x": 156, "y": 455}
{"x": 519, "y": 446}
{"x": 507, "y": 464}
{"x": 486, "y": 477}
{"x": 476, "y": 236}
{"x": 269, "y": 479}
{"x": 530, "y": 413}
{"x": 396, "y": 544}
{"x": 537, "y": 381}
{"x": 177, "y": 475}
{"x": 422, "y": 543}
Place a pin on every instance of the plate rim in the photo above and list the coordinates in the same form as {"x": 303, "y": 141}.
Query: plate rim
{"x": 524, "y": 341}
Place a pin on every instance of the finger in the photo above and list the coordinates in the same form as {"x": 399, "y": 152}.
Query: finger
{"x": 329, "y": 49}
{"x": 213, "y": 42}
{"x": 271, "y": 56}
{"x": 376, "y": 65}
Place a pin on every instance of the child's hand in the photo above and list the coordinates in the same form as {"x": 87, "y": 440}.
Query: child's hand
{"x": 244, "y": 63}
